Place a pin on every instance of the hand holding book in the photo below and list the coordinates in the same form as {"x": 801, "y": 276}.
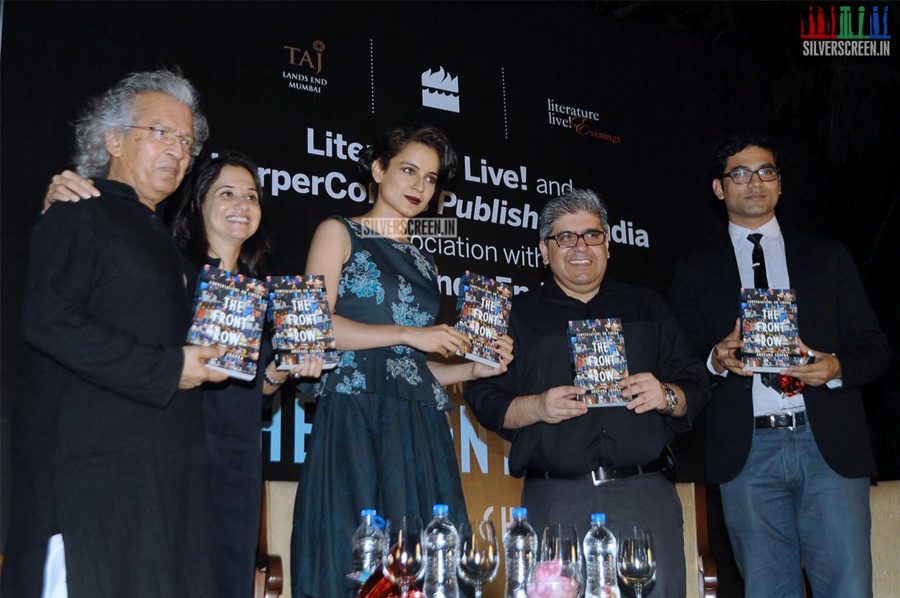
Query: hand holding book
{"x": 194, "y": 371}
{"x": 503, "y": 347}
{"x": 441, "y": 339}
{"x": 725, "y": 353}
{"x": 646, "y": 393}
{"x": 554, "y": 405}
{"x": 310, "y": 366}
{"x": 822, "y": 367}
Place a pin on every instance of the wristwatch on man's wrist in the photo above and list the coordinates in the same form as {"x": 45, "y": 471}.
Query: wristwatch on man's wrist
{"x": 671, "y": 400}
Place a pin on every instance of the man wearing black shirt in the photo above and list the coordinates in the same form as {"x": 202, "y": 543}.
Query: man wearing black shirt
{"x": 108, "y": 442}
{"x": 576, "y": 460}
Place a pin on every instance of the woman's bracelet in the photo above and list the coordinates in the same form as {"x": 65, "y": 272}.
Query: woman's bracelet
{"x": 272, "y": 380}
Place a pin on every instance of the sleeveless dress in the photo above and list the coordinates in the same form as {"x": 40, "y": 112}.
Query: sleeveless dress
{"x": 380, "y": 437}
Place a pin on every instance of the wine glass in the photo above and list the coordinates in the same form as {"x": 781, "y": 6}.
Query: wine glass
{"x": 560, "y": 570}
{"x": 404, "y": 556}
{"x": 637, "y": 561}
{"x": 479, "y": 555}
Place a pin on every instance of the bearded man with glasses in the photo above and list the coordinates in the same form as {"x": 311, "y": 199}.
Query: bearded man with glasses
{"x": 575, "y": 460}
{"x": 791, "y": 452}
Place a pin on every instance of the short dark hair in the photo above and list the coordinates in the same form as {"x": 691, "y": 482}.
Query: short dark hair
{"x": 734, "y": 143}
{"x": 188, "y": 226}
{"x": 391, "y": 142}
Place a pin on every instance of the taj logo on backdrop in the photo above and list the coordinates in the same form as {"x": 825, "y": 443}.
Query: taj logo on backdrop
{"x": 303, "y": 68}
{"x": 845, "y": 30}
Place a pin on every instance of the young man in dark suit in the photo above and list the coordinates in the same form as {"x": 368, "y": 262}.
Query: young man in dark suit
{"x": 792, "y": 455}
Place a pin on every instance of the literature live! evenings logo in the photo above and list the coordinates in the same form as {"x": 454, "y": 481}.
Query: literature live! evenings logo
{"x": 440, "y": 90}
{"x": 583, "y": 122}
{"x": 304, "y": 67}
{"x": 845, "y": 30}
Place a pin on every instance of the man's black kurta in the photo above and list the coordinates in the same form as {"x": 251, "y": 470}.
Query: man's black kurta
{"x": 107, "y": 310}
{"x": 608, "y": 436}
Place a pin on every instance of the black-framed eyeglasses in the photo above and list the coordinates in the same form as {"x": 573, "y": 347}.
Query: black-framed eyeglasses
{"x": 742, "y": 175}
{"x": 168, "y": 137}
{"x": 568, "y": 238}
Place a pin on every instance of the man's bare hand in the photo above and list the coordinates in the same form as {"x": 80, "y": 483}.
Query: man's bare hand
{"x": 194, "y": 372}
{"x": 724, "y": 355}
{"x": 825, "y": 368}
{"x": 559, "y": 404}
{"x": 645, "y": 392}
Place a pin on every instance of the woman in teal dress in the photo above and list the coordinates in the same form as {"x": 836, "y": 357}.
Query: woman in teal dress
{"x": 380, "y": 436}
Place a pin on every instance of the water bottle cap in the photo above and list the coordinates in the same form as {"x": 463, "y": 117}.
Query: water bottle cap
{"x": 519, "y": 513}
{"x": 366, "y": 513}
{"x": 598, "y": 518}
{"x": 441, "y": 510}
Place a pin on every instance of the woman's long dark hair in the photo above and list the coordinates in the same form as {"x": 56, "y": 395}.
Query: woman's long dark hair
{"x": 190, "y": 231}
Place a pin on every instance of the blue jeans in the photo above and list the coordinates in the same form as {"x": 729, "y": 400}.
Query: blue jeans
{"x": 787, "y": 504}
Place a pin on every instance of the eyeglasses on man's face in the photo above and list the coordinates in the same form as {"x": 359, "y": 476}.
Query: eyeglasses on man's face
{"x": 741, "y": 175}
{"x": 167, "y": 136}
{"x": 568, "y": 238}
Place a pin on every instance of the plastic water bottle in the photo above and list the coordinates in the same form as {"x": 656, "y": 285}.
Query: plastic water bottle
{"x": 441, "y": 556}
{"x": 600, "y": 548}
{"x": 368, "y": 543}
{"x": 520, "y": 544}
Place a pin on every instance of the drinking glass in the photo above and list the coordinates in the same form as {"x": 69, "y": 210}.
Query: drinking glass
{"x": 479, "y": 555}
{"x": 637, "y": 561}
{"x": 404, "y": 557}
{"x": 560, "y": 569}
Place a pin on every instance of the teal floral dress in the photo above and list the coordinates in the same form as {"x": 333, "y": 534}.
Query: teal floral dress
{"x": 380, "y": 434}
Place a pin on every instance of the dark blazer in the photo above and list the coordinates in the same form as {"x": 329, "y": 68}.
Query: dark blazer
{"x": 834, "y": 316}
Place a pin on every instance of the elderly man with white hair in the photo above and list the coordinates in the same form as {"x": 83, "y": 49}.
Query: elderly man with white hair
{"x": 108, "y": 441}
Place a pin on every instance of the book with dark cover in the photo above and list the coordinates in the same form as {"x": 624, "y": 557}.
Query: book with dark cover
{"x": 769, "y": 329}
{"x": 229, "y": 310}
{"x": 597, "y": 348}
{"x": 298, "y": 308}
{"x": 483, "y": 308}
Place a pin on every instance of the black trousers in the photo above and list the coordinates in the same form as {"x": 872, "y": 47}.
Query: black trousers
{"x": 647, "y": 500}
{"x": 235, "y": 482}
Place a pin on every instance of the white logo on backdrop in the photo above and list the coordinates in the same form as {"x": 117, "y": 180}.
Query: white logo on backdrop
{"x": 440, "y": 90}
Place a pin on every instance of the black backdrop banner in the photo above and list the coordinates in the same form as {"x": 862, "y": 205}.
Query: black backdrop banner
{"x": 536, "y": 99}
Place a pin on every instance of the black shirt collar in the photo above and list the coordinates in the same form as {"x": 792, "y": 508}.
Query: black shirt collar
{"x": 121, "y": 190}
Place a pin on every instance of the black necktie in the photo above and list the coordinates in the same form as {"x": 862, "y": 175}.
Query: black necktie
{"x": 760, "y": 280}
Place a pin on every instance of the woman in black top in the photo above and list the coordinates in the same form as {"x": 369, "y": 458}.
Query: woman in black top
{"x": 218, "y": 223}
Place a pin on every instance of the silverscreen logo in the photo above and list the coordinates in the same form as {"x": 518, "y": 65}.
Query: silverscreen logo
{"x": 440, "y": 90}
{"x": 845, "y": 30}
{"x": 439, "y": 228}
